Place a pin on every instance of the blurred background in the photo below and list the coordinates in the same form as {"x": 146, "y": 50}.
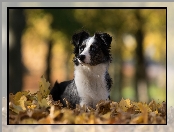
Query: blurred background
{"x": 39, "y": 44}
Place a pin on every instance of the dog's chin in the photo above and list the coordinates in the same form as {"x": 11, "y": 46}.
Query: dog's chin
{"x": 82, "y": 63}
{"x": 78, "y": 62}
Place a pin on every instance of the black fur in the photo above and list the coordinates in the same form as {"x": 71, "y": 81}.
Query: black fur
{"x": 66, "y": 90}
{"x": 77, "y": 40}
{"x": 104, "y": 40}
{"x": 108, "y": 81}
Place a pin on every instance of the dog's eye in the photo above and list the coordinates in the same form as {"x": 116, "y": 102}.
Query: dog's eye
{"x": 82, "y": 48}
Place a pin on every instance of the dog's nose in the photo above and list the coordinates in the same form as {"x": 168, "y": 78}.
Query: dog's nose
{"x": 81, "y": 57}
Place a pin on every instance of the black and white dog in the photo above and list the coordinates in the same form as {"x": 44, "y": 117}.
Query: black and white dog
{"x": 91, "y": 81}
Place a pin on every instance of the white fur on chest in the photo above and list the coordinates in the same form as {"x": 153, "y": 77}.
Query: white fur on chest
{"x": 91, "y": 83}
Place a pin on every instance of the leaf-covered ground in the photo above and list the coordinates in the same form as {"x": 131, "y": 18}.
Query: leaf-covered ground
{"x": 40, "y": 108}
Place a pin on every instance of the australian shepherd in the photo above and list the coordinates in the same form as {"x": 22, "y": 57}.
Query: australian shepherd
{"x": 92, "y": 81}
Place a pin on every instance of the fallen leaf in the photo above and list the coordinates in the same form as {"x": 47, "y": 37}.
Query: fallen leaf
{"x": 43, "y": 103}
{"x": 22, "y": 101}
{"x": 124, "y": 104}
{"x": 44, "y": 87}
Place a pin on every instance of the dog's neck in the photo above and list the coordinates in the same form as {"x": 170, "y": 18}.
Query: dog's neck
{"x": 91, "y": 83}
{"x": 92, "y": 71}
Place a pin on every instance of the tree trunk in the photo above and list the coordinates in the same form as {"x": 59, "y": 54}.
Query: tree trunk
{"x": 48, "y": 70}
{"x": 140, "y": 76}
{"x": 16, "y": 24}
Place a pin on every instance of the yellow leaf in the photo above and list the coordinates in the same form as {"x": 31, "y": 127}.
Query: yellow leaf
{"x": 44, "y": 87}
{"x": 107, "y": 115}
{"x": 31, "y": 107}
{"x": 39, "y": 96}
{"x": 124, "y": 104}
{"x": 18, "y": 95}
{"x": 43, "y": 103}
{"x": 22, "y": 102}
{"x": 137, "y": 120}
{"x": 153, "y": 105}
{"x": 144, "y": 108}
{"x": 15, "y": 108}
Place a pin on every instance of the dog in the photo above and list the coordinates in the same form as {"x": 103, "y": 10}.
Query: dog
{"x": 92, "y": 81}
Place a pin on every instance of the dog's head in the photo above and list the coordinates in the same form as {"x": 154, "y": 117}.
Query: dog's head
{"x": 91, "y": 50}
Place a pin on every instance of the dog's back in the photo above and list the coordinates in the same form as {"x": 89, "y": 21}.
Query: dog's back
{"x": 67, "y": 90}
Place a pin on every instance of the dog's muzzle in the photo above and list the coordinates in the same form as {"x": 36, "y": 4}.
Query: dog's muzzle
{"x": 81, "y": 58}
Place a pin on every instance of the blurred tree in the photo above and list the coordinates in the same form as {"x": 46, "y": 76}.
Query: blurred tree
{"x": 48, "y": 69}
{"x": 65, "y": 23}
{"x": 16, "y": 68}
{"x": 36, "y": 47}
{"x": 140, "y": 76}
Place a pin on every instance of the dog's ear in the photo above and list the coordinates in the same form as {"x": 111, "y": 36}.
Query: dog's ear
{"x": 78, "y": 38}
{"x": 106, "y": 38}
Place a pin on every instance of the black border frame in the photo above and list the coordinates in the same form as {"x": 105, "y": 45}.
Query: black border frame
{"x": 76, "y": 8}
